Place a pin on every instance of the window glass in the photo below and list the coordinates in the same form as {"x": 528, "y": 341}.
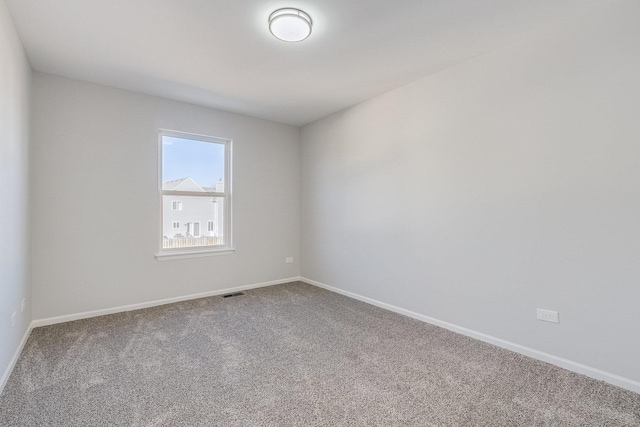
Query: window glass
{"x": 195, "y": 191}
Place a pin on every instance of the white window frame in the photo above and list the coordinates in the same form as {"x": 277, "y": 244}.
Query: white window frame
{"x": 191, "y": 227}
{"x": 227, "y": 248}
{"x": 176, "y": 205}
{"x": 175, "y": 225}
{"x": 210, "y": 226}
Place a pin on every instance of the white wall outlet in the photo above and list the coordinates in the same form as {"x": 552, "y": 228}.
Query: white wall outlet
{"x": 548, "y": 315}
{"x": 22, "y": 305}
{"x": 13, "y": 319}
{"x": 289, "y": 260}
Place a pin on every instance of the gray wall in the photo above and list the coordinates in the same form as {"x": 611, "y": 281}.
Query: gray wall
{"x": 480, "y": 193}
{"x": 96, "y": 210}
{"x": 15, "y": 81}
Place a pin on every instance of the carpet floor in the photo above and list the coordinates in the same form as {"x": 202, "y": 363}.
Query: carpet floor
{"x": 290, "y": 355}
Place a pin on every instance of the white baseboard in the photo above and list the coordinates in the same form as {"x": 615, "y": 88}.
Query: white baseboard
{"x": 131, "y": 307}
{"x": 570, "y": 365}
{"x": 14, "y": 359}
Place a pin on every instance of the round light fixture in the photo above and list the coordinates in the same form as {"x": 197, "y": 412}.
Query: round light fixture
{"x": 290, "y": 25}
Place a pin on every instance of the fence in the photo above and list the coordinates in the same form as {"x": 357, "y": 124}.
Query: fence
{"x": 190, "y": 242}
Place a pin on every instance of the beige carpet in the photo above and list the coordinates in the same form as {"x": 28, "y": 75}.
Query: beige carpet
{"x": 290, "y": 355}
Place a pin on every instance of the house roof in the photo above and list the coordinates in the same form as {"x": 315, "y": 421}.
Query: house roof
{"x": 182, "y": 184}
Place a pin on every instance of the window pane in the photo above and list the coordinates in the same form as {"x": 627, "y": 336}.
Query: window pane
{"x": 201, "y": 222}
{"x": 189, "y": 165}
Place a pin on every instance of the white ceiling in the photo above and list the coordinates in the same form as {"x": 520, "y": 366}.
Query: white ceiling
{"x": 219, "y": 53}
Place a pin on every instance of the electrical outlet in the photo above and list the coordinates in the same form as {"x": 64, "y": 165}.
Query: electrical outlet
{"x": 13, "y": 319}
{"x": 22, "y": 305}
{"x": 289, "y": 260}
{"x": 548, "y": 315}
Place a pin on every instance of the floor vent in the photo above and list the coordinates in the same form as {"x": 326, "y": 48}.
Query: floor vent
{"x": 235, "y": 294}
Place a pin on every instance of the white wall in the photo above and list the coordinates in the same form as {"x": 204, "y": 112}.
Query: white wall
{"x": 15, "y": 81}
{"x": 96, "y": 210}
{"x": 507, "y": 183}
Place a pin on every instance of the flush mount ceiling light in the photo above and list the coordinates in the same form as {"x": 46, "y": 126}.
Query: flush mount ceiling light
{"x": 290, "y": 25}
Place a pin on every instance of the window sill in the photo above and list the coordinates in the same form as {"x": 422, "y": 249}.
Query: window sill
{"x": 165, "y": 256}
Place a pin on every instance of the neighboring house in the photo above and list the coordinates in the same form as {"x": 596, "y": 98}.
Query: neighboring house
{"x": 185, "y": 216}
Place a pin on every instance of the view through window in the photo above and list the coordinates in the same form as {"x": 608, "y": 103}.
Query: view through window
{"x": 195, "y": 186}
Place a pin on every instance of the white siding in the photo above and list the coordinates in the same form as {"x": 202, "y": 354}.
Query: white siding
{"x": 194, "y": 209}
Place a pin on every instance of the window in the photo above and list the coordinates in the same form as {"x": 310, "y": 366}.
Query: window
{"x": 195, "y": 186}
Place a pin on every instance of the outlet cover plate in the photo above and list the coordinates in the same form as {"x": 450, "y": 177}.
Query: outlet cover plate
{"x": 548, "y": 315}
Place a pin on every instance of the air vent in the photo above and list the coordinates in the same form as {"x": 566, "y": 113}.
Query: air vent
{"x": 235, "y": 294}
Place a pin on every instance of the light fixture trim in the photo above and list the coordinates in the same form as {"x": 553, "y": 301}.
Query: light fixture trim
{"x": 290, "y": 24}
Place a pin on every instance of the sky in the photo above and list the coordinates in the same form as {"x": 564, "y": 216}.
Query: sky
{"x": 185, "y": 158}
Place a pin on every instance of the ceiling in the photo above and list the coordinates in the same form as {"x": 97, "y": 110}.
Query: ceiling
{"x": 219, "y": 53}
